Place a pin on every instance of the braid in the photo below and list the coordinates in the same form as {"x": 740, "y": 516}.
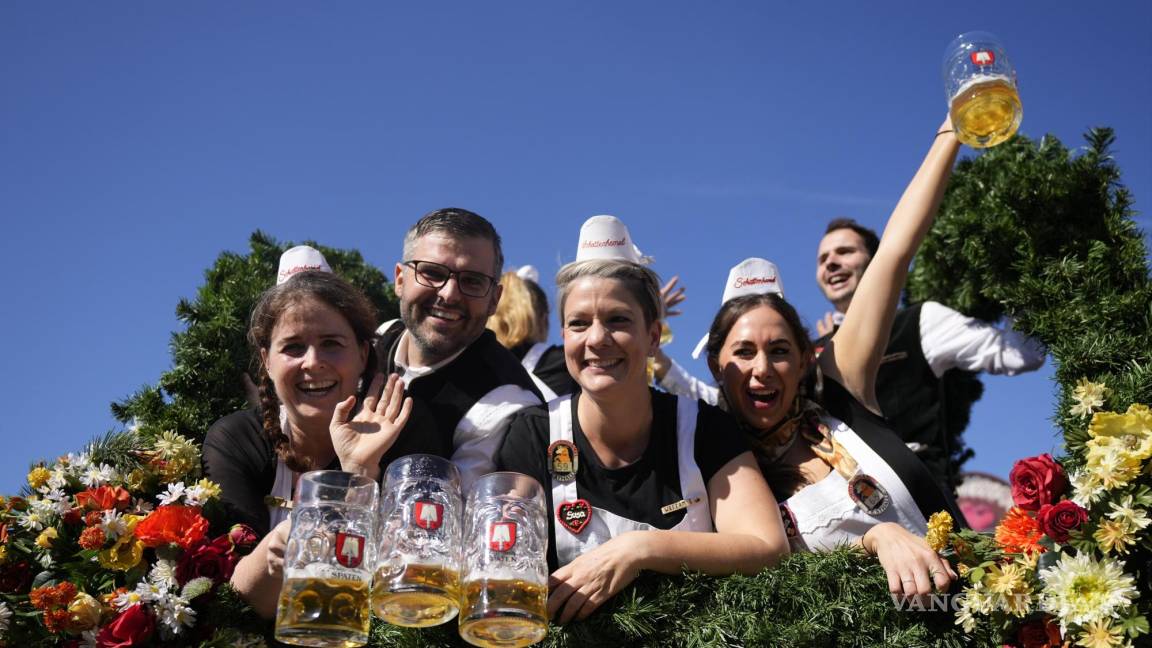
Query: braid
{"x": 270, "y": 411}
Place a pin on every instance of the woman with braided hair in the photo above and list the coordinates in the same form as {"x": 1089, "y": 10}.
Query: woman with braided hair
{"x": 314, "y": 336}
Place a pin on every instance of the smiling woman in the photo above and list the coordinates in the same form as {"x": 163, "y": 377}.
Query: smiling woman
{"x": 639, "y": 479}
{"x": 314, "y": 334}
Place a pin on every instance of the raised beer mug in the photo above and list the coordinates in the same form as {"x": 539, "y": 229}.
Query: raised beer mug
{"x": 418, "y": 569}
{"x": 980, "y": 84}
{"x": 327, "y": 562}
{"x": 505, "y": 564}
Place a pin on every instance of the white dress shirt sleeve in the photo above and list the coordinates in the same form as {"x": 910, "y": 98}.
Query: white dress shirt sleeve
{"x": 479, "y": 433}
{"x": 678, "y": 381}
{"x": 954, "y": 341}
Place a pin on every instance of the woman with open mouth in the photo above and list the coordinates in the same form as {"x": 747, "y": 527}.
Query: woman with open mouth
{"x": 842, "y": 475}
{"x": 322, "y": 405}
{"x": 639, "y": 479}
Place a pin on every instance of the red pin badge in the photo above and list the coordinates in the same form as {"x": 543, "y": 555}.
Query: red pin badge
{"x": 574, "y": 515}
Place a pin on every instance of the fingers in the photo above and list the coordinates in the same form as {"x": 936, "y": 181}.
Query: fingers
{"x": 572, "y": 607}
{"x": 405, "y": 412}
{"x": 942, "y": 575}
{"x": 590, "y": 606}
{"x": 372, "y": 398}
{"x": 340, "y": 414}
{"x": 393, "y": 397}
{"x": 561, "y": 590}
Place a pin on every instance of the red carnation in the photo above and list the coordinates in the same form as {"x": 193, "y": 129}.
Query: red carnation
{"x": 1057, "y": 520}
{"x": 1037, "y": 481}
{"x": 213, "y": 560}
{"x": 175, "y": 523}
{"x": 133, "y": 627}
{"x": 92, "y": 538}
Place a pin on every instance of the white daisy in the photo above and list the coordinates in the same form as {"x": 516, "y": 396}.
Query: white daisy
{"x": 141, "y": 506}
{"x": 95, "y": 476}
{"x": 113, "y": 525}
{"x": 1079, "y": 589}
{"x": 174, "y": 613}
{"x": 172, "y": 495}
{"x": 194, "y": 495}
{"x": 163, "y": 574}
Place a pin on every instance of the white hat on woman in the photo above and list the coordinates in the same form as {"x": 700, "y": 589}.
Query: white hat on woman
{"x": 753, "y": 276}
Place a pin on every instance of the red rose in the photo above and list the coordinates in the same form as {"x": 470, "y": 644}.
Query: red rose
{"x": 74, "y": 515}
{"x": 1060, "y": 518}
{"x": 133, "y": 627}
{"x": 243, "y": 538}
{"x": 175, "y": 523}
{"x": 213, "y": 560}
{"x": 1039, "y": 633}
{"x": 104, "y": 498}
{"x": 1037, "y": 481}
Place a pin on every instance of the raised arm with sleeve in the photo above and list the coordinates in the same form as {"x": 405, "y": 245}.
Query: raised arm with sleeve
{"x": 951, "y": 340}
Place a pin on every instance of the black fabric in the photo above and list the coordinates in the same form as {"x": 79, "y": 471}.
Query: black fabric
{"x": 921, "y": 483}
{"x": 637, "y": 491}
{"x": 551, "y": 369}
{"x": 441, "y": 399}
{"x": 239, "y": 456}
{"x": 916, "y": 403}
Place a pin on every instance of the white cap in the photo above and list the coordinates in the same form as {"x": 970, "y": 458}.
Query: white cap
{"x": 754, "y": 276}
{"x": 606, "y": 237}
{"x": 529, "y": 272}
{"x": 299, "y": 259}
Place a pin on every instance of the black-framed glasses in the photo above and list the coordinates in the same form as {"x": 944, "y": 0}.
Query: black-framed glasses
{"x": 435, "y": 275}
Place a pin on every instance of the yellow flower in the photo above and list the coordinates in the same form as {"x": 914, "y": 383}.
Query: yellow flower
{"x": 46, "y": 537}
{"x": 1088, "y": 396}
{"x": 135, "y": 480}
{"x": 939, "y": 526}
{"x": 1100, "y": 634}
{"x": 1126, "y": 512}
{"x": 1114, "y": 536}
{"x": 209, "y": 488}
{"x": 1008, "y": 583}
{"x": 3, "y": 554}
{"x": 84, "y": 613}
{"x": 1111, "y": 464}
{"x": 127, "y": 552}
{"x": 38, "y": 476}
{"x": 1131, "y": 431}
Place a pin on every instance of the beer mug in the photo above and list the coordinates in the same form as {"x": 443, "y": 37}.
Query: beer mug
{"x": 980, "y": 84}
{"x": 327, "y": 569}
{"x": 505, "y": 564}
{"x": 418, "y": 570}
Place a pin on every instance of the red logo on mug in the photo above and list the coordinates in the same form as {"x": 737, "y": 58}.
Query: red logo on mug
{"x": 983, "y": 57}
{"x": 502, "y": 535}
{"x": 349, "y": 549}
{"x": 428, "y": 515}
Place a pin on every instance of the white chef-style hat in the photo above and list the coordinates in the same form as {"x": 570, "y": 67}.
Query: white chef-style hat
{"x": 606, "y": 237}
{"x": 299, "y": 259}
{"x": 752, "y": 276}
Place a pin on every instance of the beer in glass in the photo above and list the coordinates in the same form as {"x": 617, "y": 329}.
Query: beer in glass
{"x": 980, "y": 84}
{"x": 418, "y": 571}
{"x": 327, "y": 568}
{"x": 505, "y": 566}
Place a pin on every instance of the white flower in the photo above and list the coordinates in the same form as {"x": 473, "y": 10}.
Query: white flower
{"x": 32, "y": 520}
{"x": 172, "y": 495}
{"x": 5, "y": 615}
{"x": 1086, "y": 488}
{"x": 1079, "y": 589}
{"x": 54, "y": 501}
{"x": 141, "y": 506}
{"x": 174, "y": 613}
{"x": 194, "y": 495}
{"x": 113, "y": 525}
{"x": 94, "y": 476}
{"x": 78, "y": 463}
{"x": 163, "y": 574}
{"x": 151, "y": 592}
{"x": 127, "y": 599}
{"x": 1129, "y": 514}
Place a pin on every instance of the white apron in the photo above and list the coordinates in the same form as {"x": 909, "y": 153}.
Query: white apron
{"x": 531, "y": 359}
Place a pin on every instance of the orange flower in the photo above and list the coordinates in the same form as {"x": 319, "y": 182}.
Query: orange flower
{"x": 52, "y": 596}
{"x": 174, "y": 523}
{"x": 104, "y": 498}
{"x": 92, "y": 538}
{"x": 1019, "y": 532}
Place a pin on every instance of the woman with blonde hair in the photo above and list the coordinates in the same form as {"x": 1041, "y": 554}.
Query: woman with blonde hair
{"x": 521, "y": 325}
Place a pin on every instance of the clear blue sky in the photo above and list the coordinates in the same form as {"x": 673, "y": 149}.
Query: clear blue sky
{"x": 139, "y": 140}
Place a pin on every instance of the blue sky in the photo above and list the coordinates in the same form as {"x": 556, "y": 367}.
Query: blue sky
{"x": 139, "y": 140}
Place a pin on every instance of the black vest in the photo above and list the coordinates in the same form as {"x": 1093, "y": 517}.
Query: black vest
{"x": 442, "y": 398}
{"x": 916, "y": 402}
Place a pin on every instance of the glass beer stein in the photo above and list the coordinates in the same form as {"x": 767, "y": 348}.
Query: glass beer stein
{"x": 327, "y": 567}
{"x": 418, "y": 571}
{"x": 505, "y": 565}
{"x": 980, "y": 84}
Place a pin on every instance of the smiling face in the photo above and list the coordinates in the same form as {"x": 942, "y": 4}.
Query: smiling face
{"x": 840, "y": 262}
{"x": 443, "y": 320}
{"x": 314, "y": 361}
{"x": 760, "y": 367}
{"x": 606, "y": 339}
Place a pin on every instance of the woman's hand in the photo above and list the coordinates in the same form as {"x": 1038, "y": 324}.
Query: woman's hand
{"x": 672, "y": 295}
{"x": 911, "y": 565}
{"x": 361, "y": 442}
{"x": 277, "y": 540}
{"x": 584, "y": 584}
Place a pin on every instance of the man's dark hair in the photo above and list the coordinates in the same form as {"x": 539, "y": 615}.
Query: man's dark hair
{"x": 871, "y": 241}
{"x": 459, "y": 224}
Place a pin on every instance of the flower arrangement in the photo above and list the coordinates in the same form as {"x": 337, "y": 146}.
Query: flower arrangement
{"x": 111, "y": 548}
{"x": 1065, "y": 565}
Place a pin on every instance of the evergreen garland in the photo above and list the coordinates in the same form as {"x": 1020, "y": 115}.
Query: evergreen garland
{"x": 211, "y": 355}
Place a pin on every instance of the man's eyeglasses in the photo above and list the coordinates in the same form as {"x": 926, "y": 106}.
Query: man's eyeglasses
{"x": 435, "y": 275}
